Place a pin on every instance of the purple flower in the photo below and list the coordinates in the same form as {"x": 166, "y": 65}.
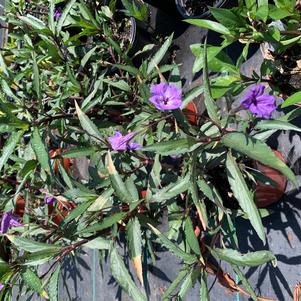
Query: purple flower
{"x": 121, "y": 143}
{"x": 166, "y": 96}
{"x": 57, "y": 13}
{"x": 259, "y": 104}
{"x": 1, "y": 286}
{"x": 49, "y": 199}
{"x": 8, "y": 221}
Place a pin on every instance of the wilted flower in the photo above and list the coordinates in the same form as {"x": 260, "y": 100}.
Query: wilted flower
{"x": 8, "y": 221}
{"x": 166, "y": 96}
{"x": 1, "y": 286}
{"x": 57, "y": 13}
{"x": 259, "y": 104}
{"x": 121, "y": 143}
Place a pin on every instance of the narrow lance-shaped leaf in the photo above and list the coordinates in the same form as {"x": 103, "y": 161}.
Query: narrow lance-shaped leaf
{"x": 159, "y": 55}
{"x": 198, "y": 202}
{"x": 88, "y": 125}
{"x": 243, "y": 195}
{"x": 180, "y": 277}
{"x": 251, "y": 259}
{"x": 212, "y": 25}
{"x": 40, "y": 150}
{"x": 34, "y": 282}
{"x": 204, "y": 293}
{"x": 36, "y": 78}
{"x": 31, "y": 245}
{"x": 53, "y": 284}
{"x": 245, "y": 282}
{"x": 122, "y": 276}
{"x": 134, "y": 238}
{"x": 191, "y": 239}
{"x": 9, "y": 147}
{"x": 117, "y": 183}
{"x": 187, "y": 258}
{"x": 210, "y": 104}
{"x": 258, "y": 151}
{"x": 64, "y": 15}
{"x": 189, "y": 282}
{"x": 173, "y": 147}
{"x": 106, "y": 223}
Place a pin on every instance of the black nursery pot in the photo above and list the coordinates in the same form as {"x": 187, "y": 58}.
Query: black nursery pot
{"x": 169, "y": 7}
{"x": 193, "y": 9}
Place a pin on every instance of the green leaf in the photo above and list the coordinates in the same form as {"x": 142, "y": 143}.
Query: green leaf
{"x": 258, "y": 151}
{"x": 117, "y": 183}
{"x": 38, "y": 258}
{"x": 9, "y": 147}
{"x": 4, "y": 267}
{"x": 98, "y": 243}
{"x": 155, "y": 61}
{"x": 40, "y": 150}
{"x": 276, "y": 125}
{"x": 36, "y": 77}
{"x": 244, "y": 196}
{"x": 204, "y": 293}
{"x": 106, "y": 223}
{"x": 64, "y": 15}
{"x": 122, "y": 276}
{"x": 33, "y": 22}
{"x": 198, "y": 202}
{"x": 190, "y": 237}
{"x": 172, "y": 190}
{"x": 187, "y": 258}
{"x": 76, "y": 212}
{"x": 31, "y": 245}
{"x": 173, "y": 147}
{"x": 53, "y": 284}
{"x": 189, "y": 282}
{"x": 245, "y": 282}
{"x": 212, "y": 25}
{"x": 291, "y": 100}
{"x": 251, "y": 259}
{"x": 226, "y": 17}
{"x": 210, "y": 104}
{"x": 134, "y": 239}
{"x": 33, "y": 282}
{"x": 179, "y": 279}
{"x": 87, "y": 56}
{"x": 88, "y": 125}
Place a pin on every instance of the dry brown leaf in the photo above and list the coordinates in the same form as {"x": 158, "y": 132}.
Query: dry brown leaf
{"x": 137, "y": 262}
{"x": 297, "y": 292}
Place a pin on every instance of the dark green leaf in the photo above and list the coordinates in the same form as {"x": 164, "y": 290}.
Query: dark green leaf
{"x": 122, "y": 276}
{"x": 258, "y": 151}
{"x": 244, "y": 196}
{"x": 251, "y": 259}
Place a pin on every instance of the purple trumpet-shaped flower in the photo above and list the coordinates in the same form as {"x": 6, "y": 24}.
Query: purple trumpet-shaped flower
{"x": 57, "y": 13}
{"x": 49, "y": 199}
{"x": 1, "y": 286}
{"x": 121, "y": 143}
{"x": 8, "y": 221}
{"x": 259, "y": 104}
{"x": 166, "y": 96}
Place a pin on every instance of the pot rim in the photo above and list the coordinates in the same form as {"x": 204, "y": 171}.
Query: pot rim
{"x": 183, "y": 12}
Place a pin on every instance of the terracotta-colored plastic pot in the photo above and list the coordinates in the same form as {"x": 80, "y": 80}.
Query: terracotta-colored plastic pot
{"x": 66, "y": 162}
{"x": 268, "y": 194}
{"x": 191, "y": 113}
{"x": 20, "y": 206}
{"x": 63, "y": 209}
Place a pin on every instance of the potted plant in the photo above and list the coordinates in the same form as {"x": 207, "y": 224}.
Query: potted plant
{"x": 53, "y": 96}
{"x": 197, "y": 9}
